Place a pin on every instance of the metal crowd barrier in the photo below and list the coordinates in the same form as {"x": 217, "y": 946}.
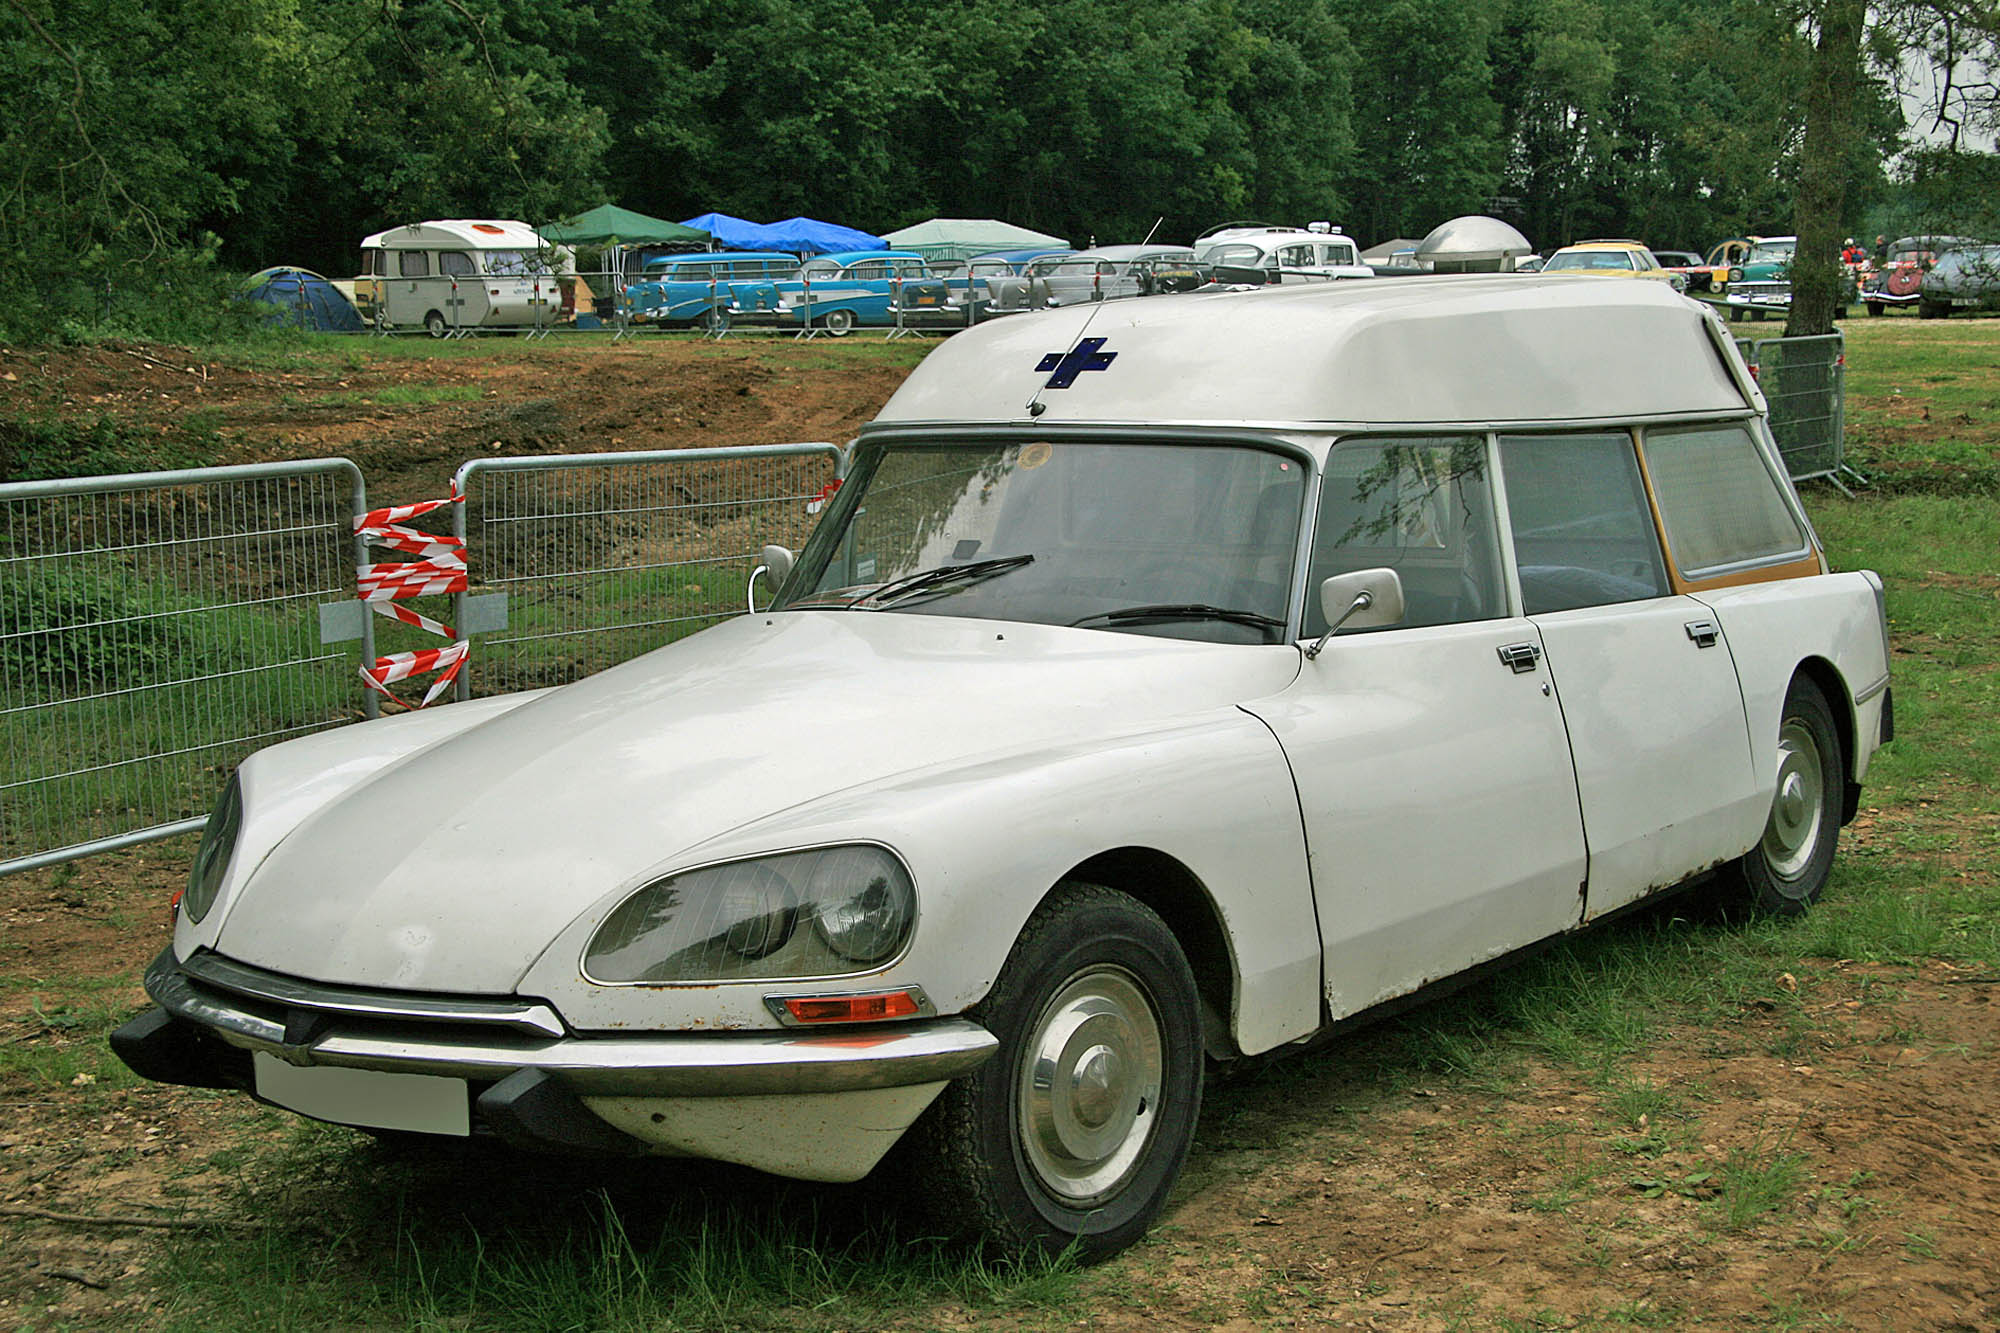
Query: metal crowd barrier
{"x": 602, "y": 557}
{"x": 155, "y": 628}
{"x": 1805, "y": 383}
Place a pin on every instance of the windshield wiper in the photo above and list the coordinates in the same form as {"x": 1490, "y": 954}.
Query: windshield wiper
{"x": 1165, "y": 611}
{"x": 908, "y": 584}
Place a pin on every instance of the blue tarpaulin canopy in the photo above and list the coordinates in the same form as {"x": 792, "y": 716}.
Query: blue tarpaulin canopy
{"x": 811, "y": 236}
{"x": 805, "y": 236}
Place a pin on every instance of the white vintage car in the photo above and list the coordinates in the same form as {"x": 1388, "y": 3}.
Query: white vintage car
{"x": 1169, "y": 681}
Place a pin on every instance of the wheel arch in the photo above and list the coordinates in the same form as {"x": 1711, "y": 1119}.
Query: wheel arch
{"x": 1178, "y": 896}
{"x": 1840, "y": 702}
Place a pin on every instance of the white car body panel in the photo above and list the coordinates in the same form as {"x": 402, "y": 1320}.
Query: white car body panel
{"x": 1662, "y": 755}
{"x": 1439, "y": 805}
{"x": 1773, "y": 627}
{"x": 666, "y": 752}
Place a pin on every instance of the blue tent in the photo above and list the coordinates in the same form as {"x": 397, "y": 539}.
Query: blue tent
{"x": 811, "y": 236}
{"x": 803, "y": 236}
{"x": 303, "y": 299}
{"x": 736, "y": 233}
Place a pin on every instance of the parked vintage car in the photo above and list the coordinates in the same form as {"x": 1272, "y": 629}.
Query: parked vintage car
{"x": 1694, "y": 273}
{"x": 857, "y": 288}
{"x": 708, "y": 290}
{"x": 1107, "y": 273}
{"x": 1169, "y": 682}
{"x": 1613, "y": 259}
{"x": 1281, "y": 254}
{"x": 1966, "y": 278}
{"x": 1899, "y": 279}
{"x": 968, "y": 289}
{"x": 1762, "y": 283}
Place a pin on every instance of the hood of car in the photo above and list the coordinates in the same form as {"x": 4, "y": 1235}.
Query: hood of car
{"x": 453, "y": 869}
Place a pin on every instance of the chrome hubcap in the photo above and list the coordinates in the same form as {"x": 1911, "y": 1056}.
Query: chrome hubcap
{"x": 1090, "y": 1085}
{"x": 1793, "y": 832}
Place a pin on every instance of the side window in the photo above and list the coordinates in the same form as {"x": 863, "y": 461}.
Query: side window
{"x": 1337, "y": 254}
{"x": 456, "y": 264}
{"x": 1583, "y": 531}
{"x": 1719, "y": 501}
{"x": 413, "y": 264}
{"x": 1296, "y": 256}
{"x": 872, "y": 270}
{"x": 1422, "y": 507}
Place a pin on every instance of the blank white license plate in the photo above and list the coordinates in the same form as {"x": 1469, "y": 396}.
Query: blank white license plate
{"x": 420, "y": 1103}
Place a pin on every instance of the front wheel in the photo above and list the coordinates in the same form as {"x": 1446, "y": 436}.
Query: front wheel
{"x": 1876, "y": 307}
{"x": 434, "y": 324}
{"x": 1073, "y": 1134}
{"x": 1787, "y": 870}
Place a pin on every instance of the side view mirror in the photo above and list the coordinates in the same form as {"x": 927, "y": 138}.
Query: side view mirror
{"x": 777, "y": 561}
{"x": 1365, "y": 599}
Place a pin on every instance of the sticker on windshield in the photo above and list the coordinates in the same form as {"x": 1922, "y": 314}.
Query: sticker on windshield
{"x": 1036, "y": 454}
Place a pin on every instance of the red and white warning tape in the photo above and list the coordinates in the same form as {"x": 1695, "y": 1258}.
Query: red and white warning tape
{"x": 438, "y": 569}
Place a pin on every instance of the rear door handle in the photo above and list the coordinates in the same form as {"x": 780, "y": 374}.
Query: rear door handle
{"x": 1520, "y": 657}
{"x": 1704, "y": 633}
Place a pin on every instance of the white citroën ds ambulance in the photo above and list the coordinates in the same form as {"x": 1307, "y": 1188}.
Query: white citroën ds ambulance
{"x": 1169, "y": 681}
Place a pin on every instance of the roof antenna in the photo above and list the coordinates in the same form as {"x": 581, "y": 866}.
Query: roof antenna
{"x": 1155, "y": 227}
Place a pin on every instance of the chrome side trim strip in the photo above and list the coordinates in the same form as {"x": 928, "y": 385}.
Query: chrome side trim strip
{"x": 211, "y": 969}
{"x": 1862, "y": 696}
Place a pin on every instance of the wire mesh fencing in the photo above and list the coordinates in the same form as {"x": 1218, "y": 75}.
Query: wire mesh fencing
{"x": 154, "y": 630}
{"x": 1804, "y": 381}
{"x": 603, "y": 557}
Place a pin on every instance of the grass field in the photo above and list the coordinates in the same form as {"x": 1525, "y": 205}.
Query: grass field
{"x": 1610, "y": 1135}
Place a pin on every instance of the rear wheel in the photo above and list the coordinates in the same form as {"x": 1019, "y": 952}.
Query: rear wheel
{"x": 1787, "y": 870}
{"x": 1075, "y": 1131}
{"x": 434, "y": 324}
{"x": 837, "y": 323}
{"x": 1932, "y": 310}
{"x": 713, "y": 320}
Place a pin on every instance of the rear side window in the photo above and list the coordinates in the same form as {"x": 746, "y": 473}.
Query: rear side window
{"x": 1719, "y": 500}
{"x": 1421, "y": 507}
{"x": 1583, "y": 531}
{"x": 413, "y": 264}
{"x": 456, "y": 264}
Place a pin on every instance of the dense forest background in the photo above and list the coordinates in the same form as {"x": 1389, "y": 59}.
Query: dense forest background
{"x": 145, "y": 141}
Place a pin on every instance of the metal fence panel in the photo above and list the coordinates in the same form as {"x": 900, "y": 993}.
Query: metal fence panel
{"x": 606, "y": 556}
{"x": 1804, "y": 381}
{"x": 155, "y": 629}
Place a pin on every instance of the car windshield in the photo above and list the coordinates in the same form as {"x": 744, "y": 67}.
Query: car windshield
{"x": 1203, "y": 537}
{"x": 1770, "y": 252}
{"x": 1588, "y": 259}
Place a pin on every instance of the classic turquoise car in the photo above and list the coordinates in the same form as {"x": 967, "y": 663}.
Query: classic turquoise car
{"x": 709, "y": 290}
{"x": 837, "y": 292}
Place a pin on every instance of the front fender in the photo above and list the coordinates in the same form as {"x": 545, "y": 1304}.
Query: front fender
{"x": 987, "y": 839}
{"x": 286, "y": 783}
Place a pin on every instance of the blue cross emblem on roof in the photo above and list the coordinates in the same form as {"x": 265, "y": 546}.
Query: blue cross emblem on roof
{"x": 1086, "y": 355}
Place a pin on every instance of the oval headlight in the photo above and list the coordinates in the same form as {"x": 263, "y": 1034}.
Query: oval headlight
{"x": 746, "y": 920}
{"x": 1736, "y": 275}
{"x": 218, "y": 842}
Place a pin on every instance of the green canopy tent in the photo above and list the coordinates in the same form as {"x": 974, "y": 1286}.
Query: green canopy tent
{"x": 962, "y": 238}
{"x": 608, "y": 224}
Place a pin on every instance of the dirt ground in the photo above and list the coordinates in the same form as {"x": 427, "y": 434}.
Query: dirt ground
{"x": 1861, "y": 1100}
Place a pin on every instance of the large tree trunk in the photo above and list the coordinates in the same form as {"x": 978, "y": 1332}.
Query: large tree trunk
{"x": 1824, "y": 168}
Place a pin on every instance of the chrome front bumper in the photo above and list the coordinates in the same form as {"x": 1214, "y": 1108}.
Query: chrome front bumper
{"x": 485, "y": 1041}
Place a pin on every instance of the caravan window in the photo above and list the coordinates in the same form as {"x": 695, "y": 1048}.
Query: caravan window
{"x": 456, "y": 263}
{"x": 413, "y": 263}
{"x": 515, "y": 263}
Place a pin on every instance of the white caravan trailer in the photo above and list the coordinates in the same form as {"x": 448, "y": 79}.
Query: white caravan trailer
{"x": 461, "y": 273}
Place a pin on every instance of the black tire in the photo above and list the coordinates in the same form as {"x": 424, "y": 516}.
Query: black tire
{"x": 1876, "y": 307}
{"x": 434, "y": 324}
{"x": 1932, "y": 310}
{"x": 1098, "y": 991}
{"x": 837, "y": 323}
{"x": 713, "y": 320}
{"x": 1787, "y": 870}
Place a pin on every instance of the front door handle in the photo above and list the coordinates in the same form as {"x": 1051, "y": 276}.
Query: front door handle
{"x": 1704, "y": 633}
{"x": 1520, "y": 657}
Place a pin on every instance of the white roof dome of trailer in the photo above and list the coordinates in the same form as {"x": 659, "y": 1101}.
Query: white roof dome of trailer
{"x": 1454, "y": 350}
{"x": 466, "y": 233}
